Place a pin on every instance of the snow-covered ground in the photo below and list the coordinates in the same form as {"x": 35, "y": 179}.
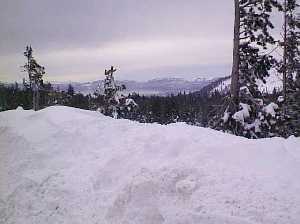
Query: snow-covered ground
{"x": 65, "y": 165}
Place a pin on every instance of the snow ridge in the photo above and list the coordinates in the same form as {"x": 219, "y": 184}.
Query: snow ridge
{"x": 66, "y": 165}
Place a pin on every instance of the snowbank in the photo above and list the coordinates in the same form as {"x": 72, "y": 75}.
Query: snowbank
{"x": 65, "y": 165}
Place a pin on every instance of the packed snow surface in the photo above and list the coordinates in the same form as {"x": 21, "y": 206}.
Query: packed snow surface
{"x": 65, "y": 165}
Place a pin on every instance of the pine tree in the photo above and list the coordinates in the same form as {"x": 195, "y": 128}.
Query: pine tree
{"x": 294, "y": 106}
{"x": 250, "y": 63}
{"x": 3, "y": 97}
{"x": 290, "y": 69}
{"x": 70, "y": 90}
{"x": 112, "y": 97}
{"x": 35, "y": 75}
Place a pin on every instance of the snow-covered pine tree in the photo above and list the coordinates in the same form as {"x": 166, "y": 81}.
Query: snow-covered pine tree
{"x": 116, "y": 104}
{"x": 294, "y": 106}
{"x": 35, "y": 76}
{"x": 290, "y": 68}
{"x": 111, "y": 94}
{"x": 243, "y": 114}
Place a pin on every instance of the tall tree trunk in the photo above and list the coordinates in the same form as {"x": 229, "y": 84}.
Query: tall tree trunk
{"x": 35, "y": 96}
{"x": 285, "y": 56}
{"x": 34, "y": 100}
{"x": 37, "y": 99}
{"x": 234, "y": 88}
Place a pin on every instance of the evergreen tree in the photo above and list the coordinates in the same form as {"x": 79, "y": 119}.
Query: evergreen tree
{"x": 3, "y": 98}
{"x": 35, "y": 75}
{"x": 251, "y": 38}
{"x": 70, "y": 90}
{"x": 116, "y": 104}
{"x": 290, "y": 67}
{"x": 111, "y": 94}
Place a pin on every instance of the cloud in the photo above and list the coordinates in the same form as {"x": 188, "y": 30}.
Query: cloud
{"x": 78, "y": 39}
{"x": 131, "y": 57}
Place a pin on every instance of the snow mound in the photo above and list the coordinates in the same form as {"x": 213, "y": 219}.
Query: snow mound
{"x": 66, "y": 165}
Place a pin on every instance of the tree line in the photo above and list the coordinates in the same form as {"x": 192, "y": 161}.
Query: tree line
{"x": 196, "y": 108}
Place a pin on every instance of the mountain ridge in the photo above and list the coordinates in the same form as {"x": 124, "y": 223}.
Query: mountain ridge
{"x": 158, "y": 86}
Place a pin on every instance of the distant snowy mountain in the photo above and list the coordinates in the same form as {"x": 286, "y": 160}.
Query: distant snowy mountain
{"x": 165, "y": 86}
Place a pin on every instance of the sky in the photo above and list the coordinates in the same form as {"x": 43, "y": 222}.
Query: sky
{"x": 75, "y": 40}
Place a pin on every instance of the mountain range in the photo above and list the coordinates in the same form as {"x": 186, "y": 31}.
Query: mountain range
{"x": 162, "y": 87}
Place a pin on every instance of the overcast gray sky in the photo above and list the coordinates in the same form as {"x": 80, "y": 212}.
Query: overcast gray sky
{"x": 77, "y": 39}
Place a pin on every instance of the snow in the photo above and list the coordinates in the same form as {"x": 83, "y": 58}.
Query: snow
{"x": 243, "y": 113}
{"x": 272, "y": 82}
{"x": 271, "y": 109}
{"x": 225, "y": 116}
{"x": 66, "y": 165}
{"x": 223, "y": 87}
{"x": 256, "y": 125}
{"x": 129, "y": 102}
{"x": 280, "y": 99}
